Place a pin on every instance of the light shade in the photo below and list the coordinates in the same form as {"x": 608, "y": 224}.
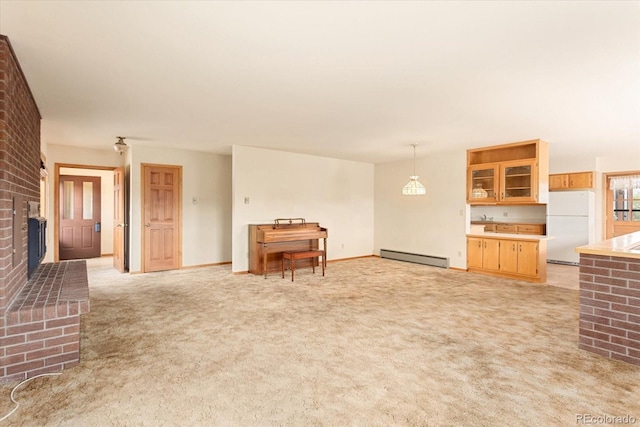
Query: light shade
{"x": 414, "y": 188}
{"x": 120, "y": 146}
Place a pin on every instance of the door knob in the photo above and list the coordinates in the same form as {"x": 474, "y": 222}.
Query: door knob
{"x": 148, "y": 224}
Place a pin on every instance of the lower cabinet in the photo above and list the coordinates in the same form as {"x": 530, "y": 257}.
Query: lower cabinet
{"x": 517, "y": 258}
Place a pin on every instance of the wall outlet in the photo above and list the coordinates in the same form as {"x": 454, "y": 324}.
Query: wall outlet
{"x": 505, "y": 213}
{"x": 459, "y": 253}
{"x": 246, "y": 200}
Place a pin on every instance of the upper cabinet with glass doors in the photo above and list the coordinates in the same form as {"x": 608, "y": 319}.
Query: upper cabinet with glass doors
{"x": 509, "y": 174}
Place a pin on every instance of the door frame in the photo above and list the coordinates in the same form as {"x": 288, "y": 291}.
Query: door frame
{"x": 178, "y": 241}
{"x": 56, "y": 200}
{"x": 607, "y": 228}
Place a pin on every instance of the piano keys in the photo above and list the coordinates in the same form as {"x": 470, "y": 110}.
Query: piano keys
{"x": 268, "y": 241}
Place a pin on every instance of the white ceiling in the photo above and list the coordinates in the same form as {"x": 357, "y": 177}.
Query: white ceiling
{"x": 353, "y": 80}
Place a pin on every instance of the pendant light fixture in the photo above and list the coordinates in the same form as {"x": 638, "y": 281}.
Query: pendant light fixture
{"x": 414, "y": 188}
{"x": 120, "y": 146}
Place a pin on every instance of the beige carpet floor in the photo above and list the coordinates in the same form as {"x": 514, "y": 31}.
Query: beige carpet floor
{"x": 374, "y": 343}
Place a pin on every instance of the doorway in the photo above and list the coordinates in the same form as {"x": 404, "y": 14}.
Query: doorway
{"x": 106, "y": 177}
{"x": 622, "y": 208}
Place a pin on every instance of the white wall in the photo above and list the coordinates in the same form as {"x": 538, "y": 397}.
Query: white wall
{"x": 206, "y": 224}
{"x": 106, "y": 204}
{"x": 434, "y": 224}
{"x": 336, "y": 193}
{"x": 533, "y": 213}
{"x": 74, "y": 156}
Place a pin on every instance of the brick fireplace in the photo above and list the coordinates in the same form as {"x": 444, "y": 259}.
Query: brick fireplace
{"x": 39, "y": 331}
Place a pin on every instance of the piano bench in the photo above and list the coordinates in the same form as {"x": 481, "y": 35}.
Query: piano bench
{"x": 292, "y": 256}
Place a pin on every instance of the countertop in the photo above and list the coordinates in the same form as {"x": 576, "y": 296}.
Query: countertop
{"x": 518, "y": 221}
{"x": 509, "y": 236}
{"x": 625, "y": 246}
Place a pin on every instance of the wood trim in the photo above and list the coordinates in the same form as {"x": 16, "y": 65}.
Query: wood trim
{"x": 607, "y": 197}
{"x": 189, "y": 267}
{"x": 351, "y": 258}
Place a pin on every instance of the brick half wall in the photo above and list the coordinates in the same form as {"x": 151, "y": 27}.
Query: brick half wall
{"x": 610, "y": 307}
{"x": 42, "y": 326}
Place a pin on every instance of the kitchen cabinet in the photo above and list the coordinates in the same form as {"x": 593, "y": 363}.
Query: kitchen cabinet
{"x": 517, "y": 258}
{"x": 508, "y": 174}
{"x": 483, "y": 253}
{"x": 571, "y": 181}
{"x": 513, "y": 228}
{"x": 483, "y": 182}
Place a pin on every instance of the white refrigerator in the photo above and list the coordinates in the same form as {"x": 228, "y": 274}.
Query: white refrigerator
{"x": 570, "y": 223}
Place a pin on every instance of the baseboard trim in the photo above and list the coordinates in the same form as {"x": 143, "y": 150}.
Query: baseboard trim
{"x": 350, "y": 258}
{"x": 188, "y": 267}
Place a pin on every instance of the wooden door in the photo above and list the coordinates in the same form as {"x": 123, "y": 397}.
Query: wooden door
{"x": 558, "y": 181}
{"x": 79, "y": 213}
{"x": 622, "y": 209}
{"x": 482, "y": 184}
{"x": 119, "y": 223}
{"x": 161, "y": 217}
{"x": 508, "y": 256}
{"x": 528, "y": 258}
{"x": 518, "y": 181}
{"x": 474, "y": 252}
{"x": 490, "y": 254}
{"x": 581, "y": 180}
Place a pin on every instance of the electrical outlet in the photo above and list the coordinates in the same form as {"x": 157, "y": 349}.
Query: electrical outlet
{"x": 505, "y": 213}
{"x": 246, "y": 200}
{"x": 459, "y": 253}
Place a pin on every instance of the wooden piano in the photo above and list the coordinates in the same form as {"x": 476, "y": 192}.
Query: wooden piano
{"x": 268, "y": 241}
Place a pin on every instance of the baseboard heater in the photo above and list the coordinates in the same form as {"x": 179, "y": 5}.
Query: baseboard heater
{"x": 434, "y": 261}
{"x": 555, "y": 261}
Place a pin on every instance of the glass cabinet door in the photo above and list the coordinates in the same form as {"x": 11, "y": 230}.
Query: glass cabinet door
{"x": 482, "y": 184}
{"x": 517, "y": 182}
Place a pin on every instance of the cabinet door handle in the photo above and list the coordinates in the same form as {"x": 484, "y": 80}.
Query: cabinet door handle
{"x": 514, "y": 247}
{"x": 520, "y": 247}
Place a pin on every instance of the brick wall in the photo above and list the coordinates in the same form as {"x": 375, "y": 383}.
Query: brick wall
{"x": 610, "y": 307}
{"x": 19, "y": 168}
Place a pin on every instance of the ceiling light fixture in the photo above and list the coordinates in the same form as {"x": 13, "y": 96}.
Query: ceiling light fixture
{"x": 120, "y": 146}
{"x": 414, "y": 188}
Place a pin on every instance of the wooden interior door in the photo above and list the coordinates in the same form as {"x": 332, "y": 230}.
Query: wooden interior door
{"x": 161, "y": 217}
{"x": 79, "y": 210}
{"x": 119, "y": 222}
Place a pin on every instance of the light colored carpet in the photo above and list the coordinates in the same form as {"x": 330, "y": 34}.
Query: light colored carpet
{"x": 374, "y": 343}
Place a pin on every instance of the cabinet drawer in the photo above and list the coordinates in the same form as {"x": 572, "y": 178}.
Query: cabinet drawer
{"x": 530, "y": 229}
{"x": 490, "y": 228}
{"x": 506, "y": 228}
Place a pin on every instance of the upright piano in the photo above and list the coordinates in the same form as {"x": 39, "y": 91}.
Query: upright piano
{"x": 268, "y": 241}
